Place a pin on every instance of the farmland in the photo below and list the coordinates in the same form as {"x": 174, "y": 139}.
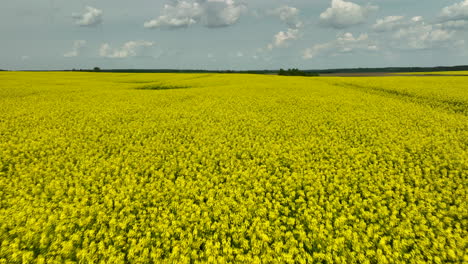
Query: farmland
{"x": 215, "y": 168}
{"x": 454, "y": 73}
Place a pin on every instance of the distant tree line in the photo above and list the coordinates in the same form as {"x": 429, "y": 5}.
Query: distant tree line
{"x": 97, "y": 69}
{"x": 395, "y": 69}
{"x": 289, "y": 72}
{"x": 295, "y": 72}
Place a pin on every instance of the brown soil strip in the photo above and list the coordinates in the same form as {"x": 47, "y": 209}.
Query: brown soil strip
{"x": 384, "y": 74}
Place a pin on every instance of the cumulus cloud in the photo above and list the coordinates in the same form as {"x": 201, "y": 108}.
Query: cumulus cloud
{"x": 455, "y": 25}
{"x": 78, "y": 46}
{"x": 345, "y": 43}
{"x": 392, "y": 23}
{"x": 129, "y": 49}
{"x": 423, "y": 36}
{"x": 91, "y": 17}
{"x": 388, "y": 23}
{"x": 454, "y": 16}
{"x": 289, "y": 15}
{"x": 458, "y": 11}
{"x": 344, "y": 14}
{"x": 221, "y": 13}
{"x": 416, "y": 34}
{"x": 210, "y": 13}
{"x": 181, "y": 14}
{"x": 283, "y": 37}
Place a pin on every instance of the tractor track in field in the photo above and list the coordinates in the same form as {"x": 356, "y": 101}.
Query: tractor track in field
{"x": 459, "y": 107}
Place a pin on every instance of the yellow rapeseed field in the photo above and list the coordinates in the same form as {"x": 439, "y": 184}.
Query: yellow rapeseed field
{"x": 213, "y": 168}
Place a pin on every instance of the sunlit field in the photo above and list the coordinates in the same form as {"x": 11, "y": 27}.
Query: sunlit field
{"x": 213, "y": 168}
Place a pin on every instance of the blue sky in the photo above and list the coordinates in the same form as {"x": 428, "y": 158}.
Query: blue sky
{"x": 232, "y": 34}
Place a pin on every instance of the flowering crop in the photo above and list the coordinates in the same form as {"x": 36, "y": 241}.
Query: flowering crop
{"x": 124, "y": 168}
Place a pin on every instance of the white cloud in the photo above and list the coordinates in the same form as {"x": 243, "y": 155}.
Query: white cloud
{"x": 345, "y": 43}
{"x": 210, "y": 13}
{"x": 416, "y": 34}
{"x": 92, "y": 17}
{"x": 392, "y": 23}
{"x": 458, "y": 11}
{"x": 78, "y": 45}
{"x": 289, "y": 15}
{"x": 282, "y": 38}
{"x": 455, "y": 24}
{"x": 423, "y": 36}
{"x": 182, "y": 14}
{"x": 388, "y": 23}
{"x": 221, "y": 13}
{"x": 25, "y": 57}
{"x": 344, "y": 14}
{"x": 129, "y": 49}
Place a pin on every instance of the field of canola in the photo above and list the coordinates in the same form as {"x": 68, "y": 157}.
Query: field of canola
{"x": 212, "y": 168}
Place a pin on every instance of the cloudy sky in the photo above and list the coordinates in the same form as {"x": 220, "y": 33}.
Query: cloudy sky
{"x": 232, "y": 34}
